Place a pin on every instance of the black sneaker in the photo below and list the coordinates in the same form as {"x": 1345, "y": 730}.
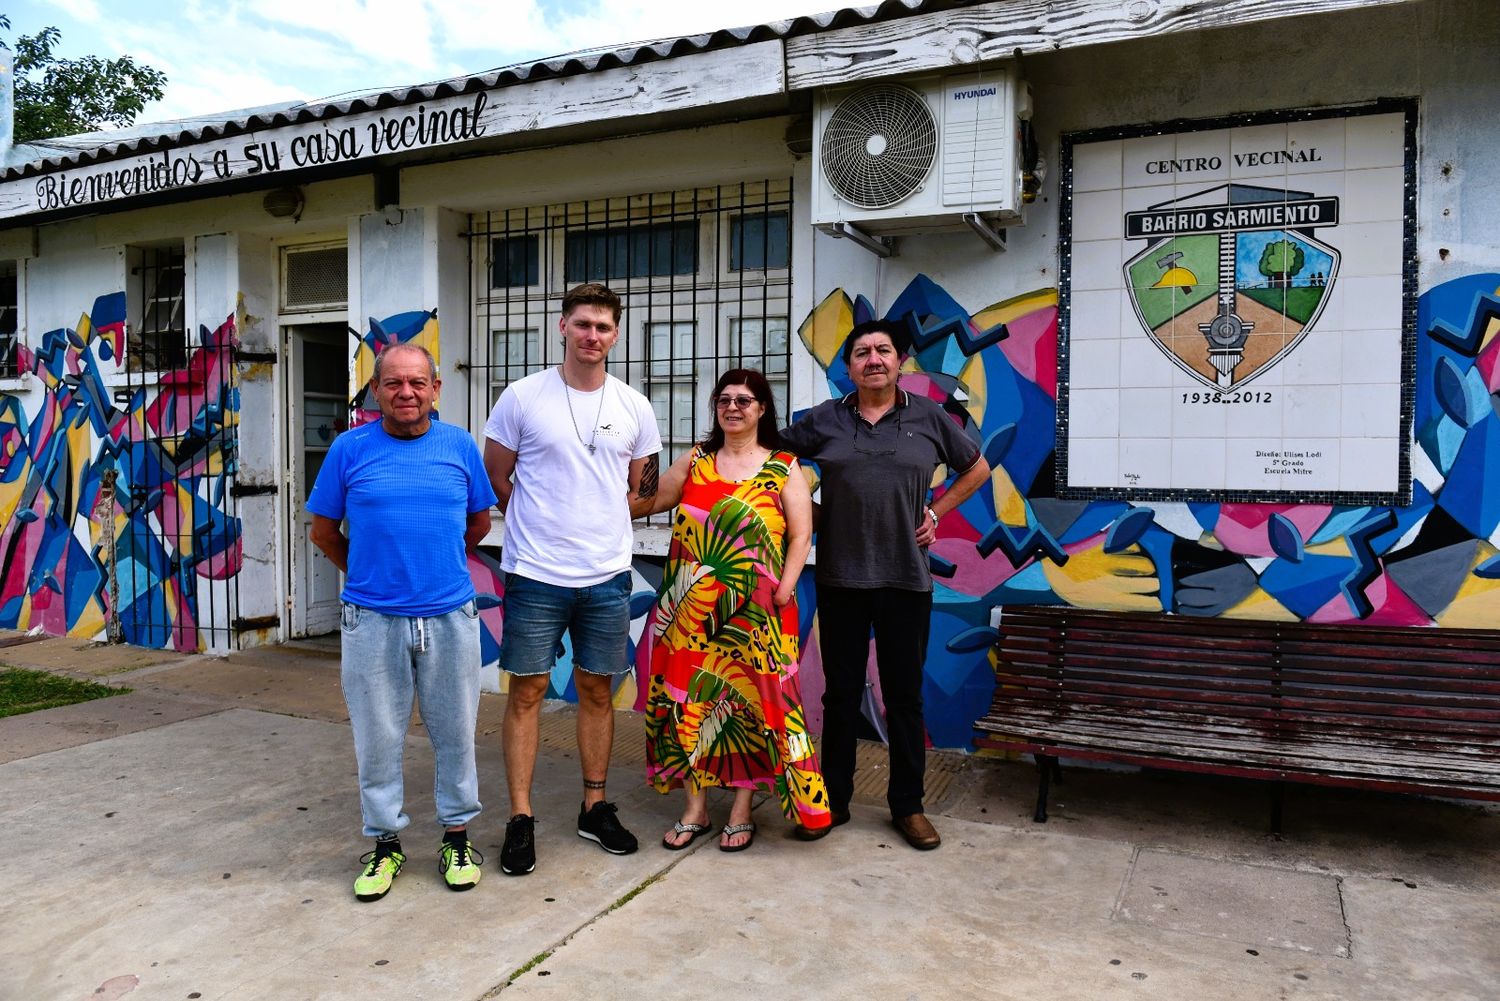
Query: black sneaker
{"x": 598, "y": 823}
{"x": 518, "y": 856}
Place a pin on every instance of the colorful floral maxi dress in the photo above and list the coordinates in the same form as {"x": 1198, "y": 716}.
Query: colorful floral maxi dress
{"x": 723, "y": 708}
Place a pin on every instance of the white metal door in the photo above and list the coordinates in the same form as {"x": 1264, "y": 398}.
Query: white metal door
{"x": 318, "y": 386}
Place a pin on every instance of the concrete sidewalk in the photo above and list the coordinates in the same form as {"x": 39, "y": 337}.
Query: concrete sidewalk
{"x": 198, "y": 837}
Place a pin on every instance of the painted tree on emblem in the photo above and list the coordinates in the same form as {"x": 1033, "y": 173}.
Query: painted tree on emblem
{"x": 1280, "y": 261}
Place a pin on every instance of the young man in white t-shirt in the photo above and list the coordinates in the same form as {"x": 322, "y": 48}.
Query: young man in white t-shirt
{"x": 568, "y": 451}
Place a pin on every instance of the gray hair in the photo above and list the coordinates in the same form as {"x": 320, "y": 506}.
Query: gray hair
{"x": 406, "y": 346}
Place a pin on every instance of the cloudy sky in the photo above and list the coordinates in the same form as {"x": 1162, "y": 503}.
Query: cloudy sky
{"x": 221, "y": 55}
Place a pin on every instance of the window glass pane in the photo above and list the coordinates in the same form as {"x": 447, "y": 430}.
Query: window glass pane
{"x": 515, "y": 261}
{"x": 673, "y": 403}
{"x": 759, "y": 242}
{"x": 515, "y": 354}
{"x": 158, "y": 335}
{"x": 516, "y": 349}
{"x": 314, "y": 460}
{"x": 760, "y": 342}
{"x": 325, "y": 369}
{"x": 644, "y": 251}
{"x": 170, "y": 281}
{"x": 9, "y": 360}
{"x": 8, "y": 301}
{"x": 670, "y": 348}
{"x": 323, "y": 419}
{"x": 779, "y": 394}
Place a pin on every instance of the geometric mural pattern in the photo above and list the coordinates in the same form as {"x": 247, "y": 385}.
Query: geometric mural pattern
{"x": 113, "y": 513}
{"x": 1432, "y": 563}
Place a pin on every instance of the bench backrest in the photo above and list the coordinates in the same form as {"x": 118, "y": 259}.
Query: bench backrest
{"x": 1291, "y": 675}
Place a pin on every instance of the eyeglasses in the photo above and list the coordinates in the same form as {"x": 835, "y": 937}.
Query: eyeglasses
{"x": 743, "y": 402}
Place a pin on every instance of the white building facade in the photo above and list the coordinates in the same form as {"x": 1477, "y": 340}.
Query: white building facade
{"x": 1293, "y": 417}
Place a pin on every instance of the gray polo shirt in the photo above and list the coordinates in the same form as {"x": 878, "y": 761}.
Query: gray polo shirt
{"x": 875, "y": 481}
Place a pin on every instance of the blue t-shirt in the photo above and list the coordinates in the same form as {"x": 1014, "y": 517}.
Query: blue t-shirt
{"x": 407, "y": 502}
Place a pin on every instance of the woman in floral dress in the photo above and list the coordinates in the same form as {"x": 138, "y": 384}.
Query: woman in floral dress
{"x": 723, "y": 707}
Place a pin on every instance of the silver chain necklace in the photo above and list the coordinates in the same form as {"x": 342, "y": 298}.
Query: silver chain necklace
{"x": 568, "y": 395}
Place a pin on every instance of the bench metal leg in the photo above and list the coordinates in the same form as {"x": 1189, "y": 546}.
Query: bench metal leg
{"x": 1278, "y": 789}
{"x": 1046, "y": 768}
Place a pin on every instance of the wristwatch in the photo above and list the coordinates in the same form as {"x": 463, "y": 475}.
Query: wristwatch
{"x": 933, "y": 515}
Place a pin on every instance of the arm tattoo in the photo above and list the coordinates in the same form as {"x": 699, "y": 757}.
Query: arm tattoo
{"x": 650, "y": 475}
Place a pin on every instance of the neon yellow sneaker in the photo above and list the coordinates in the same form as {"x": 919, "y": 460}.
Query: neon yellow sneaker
{"x": 459, "y": 863}
{"x": 382, "y": 866}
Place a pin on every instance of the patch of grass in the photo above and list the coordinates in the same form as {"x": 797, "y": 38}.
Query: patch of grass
{"x": 23, "y": 691}
{"x": 1299, "y": 302}
{"x": 632, "y": 894}
{"x": 534, "y": 962}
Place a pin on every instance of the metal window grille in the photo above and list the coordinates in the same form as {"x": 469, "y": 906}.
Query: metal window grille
{"x": 314, "y": 278}
{"x": 10, "y": 360}
{"x": 760, "y": 241}
{"x": 159, "y": 280}
{"x": 703, "y": 275}
{"x": 511, "y": 354}
{"x": 175, "y": 482}
{"x": 638, "y": 250}
{"x": 516, "y": 261}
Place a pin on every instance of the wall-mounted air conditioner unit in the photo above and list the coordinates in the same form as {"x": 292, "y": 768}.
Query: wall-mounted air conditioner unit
{"x": 922, "y": 155}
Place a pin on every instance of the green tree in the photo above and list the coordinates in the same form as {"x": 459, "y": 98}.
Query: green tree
{"x": 1280, "y": 261}
{"x": 63, "y": 97}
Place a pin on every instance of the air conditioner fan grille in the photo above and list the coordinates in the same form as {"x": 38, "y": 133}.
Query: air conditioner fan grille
{"x": 878, "y": 146}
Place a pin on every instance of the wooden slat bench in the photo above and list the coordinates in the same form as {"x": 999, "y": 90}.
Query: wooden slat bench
{"x": 1404, "y": 710}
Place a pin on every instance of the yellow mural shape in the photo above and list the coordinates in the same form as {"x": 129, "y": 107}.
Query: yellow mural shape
{"x": 364, "y": 358}
{"x": 825, "y": 328}
{"x": 1015, "y": 307}
{"x": 1259, "y": 605}
{"x": 1123, "y": 582}
{"x": 1478, "y": 598}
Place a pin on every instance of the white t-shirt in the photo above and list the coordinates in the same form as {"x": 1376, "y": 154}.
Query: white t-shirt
{"x": 568, "y": 522}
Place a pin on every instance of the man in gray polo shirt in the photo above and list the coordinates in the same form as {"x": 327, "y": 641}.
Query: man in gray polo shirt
{"x": 877, "y": 450}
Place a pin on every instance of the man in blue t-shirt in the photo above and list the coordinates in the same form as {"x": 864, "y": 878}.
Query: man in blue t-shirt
{"x": 416, "y": 498}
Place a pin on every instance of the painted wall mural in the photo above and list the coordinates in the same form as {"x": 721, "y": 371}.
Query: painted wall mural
{"x": 1435, "y": 562}
{"x": 419, "y": 327}
{"x": 114, "y": 498}
{"x": 1432, "y": 563}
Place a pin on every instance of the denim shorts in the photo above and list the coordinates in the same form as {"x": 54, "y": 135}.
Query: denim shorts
{"x": 596, "y": 618}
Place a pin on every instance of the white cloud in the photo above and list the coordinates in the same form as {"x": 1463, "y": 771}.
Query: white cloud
{"x": 86, "y": 11}
{"x": 221, "y": 55}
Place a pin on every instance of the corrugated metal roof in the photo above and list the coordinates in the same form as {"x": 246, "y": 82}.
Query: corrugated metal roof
{"x": 70, "y": 151}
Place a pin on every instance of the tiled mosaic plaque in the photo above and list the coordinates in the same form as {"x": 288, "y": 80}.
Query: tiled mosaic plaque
{"x": 1235, "y": 309}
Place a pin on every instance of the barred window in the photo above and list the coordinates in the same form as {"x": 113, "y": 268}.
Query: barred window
{"x": 513, "y": 355}
{"x": 516, "y": 261}
{"x": 703, "y": 275}
{"x": 645, "y": 251}
{"x": 761, "y": 342}
{"x": 760, "y": 242}
{"x": 156, "y": 300}
{"x": 10, "y": 338}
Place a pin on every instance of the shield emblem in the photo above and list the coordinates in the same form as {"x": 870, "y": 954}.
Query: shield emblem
{"x": 1231, "y": 279}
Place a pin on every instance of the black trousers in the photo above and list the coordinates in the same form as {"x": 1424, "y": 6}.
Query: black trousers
{"x": 900, "y": 620}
